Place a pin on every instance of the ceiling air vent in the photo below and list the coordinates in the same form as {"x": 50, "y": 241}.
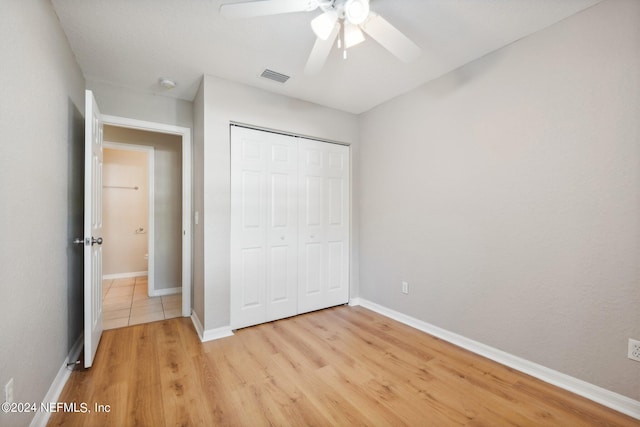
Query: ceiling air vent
{"x": 272, "y": 75}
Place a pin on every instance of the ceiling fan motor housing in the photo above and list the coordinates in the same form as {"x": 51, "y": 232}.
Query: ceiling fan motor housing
{"x": 356, "y": 11}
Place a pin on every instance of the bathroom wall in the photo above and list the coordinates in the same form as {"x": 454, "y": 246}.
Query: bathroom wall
{"x": 125, "y": 211}
{"x": 167, "y": 203}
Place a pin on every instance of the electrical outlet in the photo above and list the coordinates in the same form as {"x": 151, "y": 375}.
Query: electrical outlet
{"x": 8, "y": 391}
{"x": 405, "y": 288}
{"x": 634, "y": 350}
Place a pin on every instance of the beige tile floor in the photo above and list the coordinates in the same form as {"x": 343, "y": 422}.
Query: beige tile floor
{"x": 126, "y": 302}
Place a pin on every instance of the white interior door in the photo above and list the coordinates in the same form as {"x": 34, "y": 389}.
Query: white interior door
{"x": 92, "y": 229}
{"x": 263, "y": 226}
{"x": 323, "y": 237}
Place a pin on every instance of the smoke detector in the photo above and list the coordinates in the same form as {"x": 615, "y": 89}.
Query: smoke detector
{"x": 166, "y": 83}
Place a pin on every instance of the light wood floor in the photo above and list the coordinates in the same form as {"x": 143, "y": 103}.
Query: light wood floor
{"x": 343, "y": 366}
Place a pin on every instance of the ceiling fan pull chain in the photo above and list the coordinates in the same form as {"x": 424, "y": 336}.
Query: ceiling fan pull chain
{"x": 343, "y": 36}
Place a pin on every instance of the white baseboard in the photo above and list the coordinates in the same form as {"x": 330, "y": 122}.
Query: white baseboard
{"x": 210, "y": 334}
{"x": 124, "y": 275}
{"x": 163, "y": 292}
{"x": 593, "y": 392}
{"x": 42, "y": 417}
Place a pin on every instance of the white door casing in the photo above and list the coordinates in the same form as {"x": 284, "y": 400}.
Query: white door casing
{"x": 323, "y": 237}
{"x": 263, "y": 227}
{"x": 92, "y": 229}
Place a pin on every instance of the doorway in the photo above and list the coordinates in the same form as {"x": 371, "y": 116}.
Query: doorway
{"x": 130, "y": 296}
{"x": 153, "y": 279}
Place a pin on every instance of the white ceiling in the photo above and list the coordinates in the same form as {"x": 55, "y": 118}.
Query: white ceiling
{"x": 133, "y": 43}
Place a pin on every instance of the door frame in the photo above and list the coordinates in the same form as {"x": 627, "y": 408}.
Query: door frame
{"x": 187, "y": 190}
{"x": 150, "y": 152}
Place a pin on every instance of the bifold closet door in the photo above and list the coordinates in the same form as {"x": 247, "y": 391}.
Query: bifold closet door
{"x": 323, "y": 231}
{"x": 264, "y": 229}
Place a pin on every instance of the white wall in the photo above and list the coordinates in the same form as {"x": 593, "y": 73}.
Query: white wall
{"x": 124, "y": 211}
{"x": 40, "y": 200}
{"x": 224, "y": 101}
{"x": 167, "y": 158}
{"x": 124, "y": 102}
{"x": 507, "y": 194}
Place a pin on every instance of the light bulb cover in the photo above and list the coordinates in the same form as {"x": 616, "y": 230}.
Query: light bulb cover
{"x": 356, "y": 11}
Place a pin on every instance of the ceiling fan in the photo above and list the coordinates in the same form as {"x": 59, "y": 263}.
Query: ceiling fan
{"x": 344, "y": 20}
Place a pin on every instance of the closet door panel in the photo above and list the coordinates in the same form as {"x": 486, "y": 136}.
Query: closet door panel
{"x": 324, "y": 225}
{"x": 282, "y": 232}
{"x": 252, "y": 281}
{"x": 312, "y": 271}
{"x": 263, "y": 227}
{"x": 337, "y": 226}
{"x": 311, "y": 228}
{"x": 248, "y": 229}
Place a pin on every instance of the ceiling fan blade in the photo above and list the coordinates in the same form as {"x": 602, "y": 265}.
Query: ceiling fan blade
{"x": 252, "y": 9}
{"x": 320, "y": 52}
{"x": 322, "y": 25}
{"x": 352, "y": 35}
{"x": 390, "y": 38}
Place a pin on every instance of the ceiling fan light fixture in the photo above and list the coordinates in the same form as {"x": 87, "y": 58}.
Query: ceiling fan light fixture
{"x": 352, "y": 35}
{"x": 356, "y": 11}
{"x": 324, "y": 24}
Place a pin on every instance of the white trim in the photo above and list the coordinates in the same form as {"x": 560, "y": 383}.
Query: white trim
{"x": 582, "y": 388}
{"x": 210, "y": 334}
{"x": 150, "y": 151}
{"x": 42, "y": 417}
{"x": 356, "y": 301}
{"x": 197, "y": 324}
{"x": 124, "y": 275}
{"x": 163, "y": 292}
{"x": 187, "y": 218}
{"x": 287, "y": 133}
{"x": 187, "y": 188}
{"x": 217, "y": 333}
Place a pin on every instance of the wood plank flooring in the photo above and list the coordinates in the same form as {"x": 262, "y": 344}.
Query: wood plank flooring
{"x": 344, "y": 366}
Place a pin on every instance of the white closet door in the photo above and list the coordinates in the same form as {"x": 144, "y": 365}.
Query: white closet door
{"x": 263, "y": 227}
{"x": 323, "y": 233}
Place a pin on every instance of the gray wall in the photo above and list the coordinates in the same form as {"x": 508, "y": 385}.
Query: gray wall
{"x": 40, "y": 200}
{"x": 198, "y": 203}
{"x": 507, "y": 194}
{"x": 167, "y": 199}
{"x": 123, "y": 102}
{"x": 223, "y": 101}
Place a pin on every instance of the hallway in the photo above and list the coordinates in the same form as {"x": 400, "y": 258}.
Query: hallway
{"x": 126, "y": 302}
